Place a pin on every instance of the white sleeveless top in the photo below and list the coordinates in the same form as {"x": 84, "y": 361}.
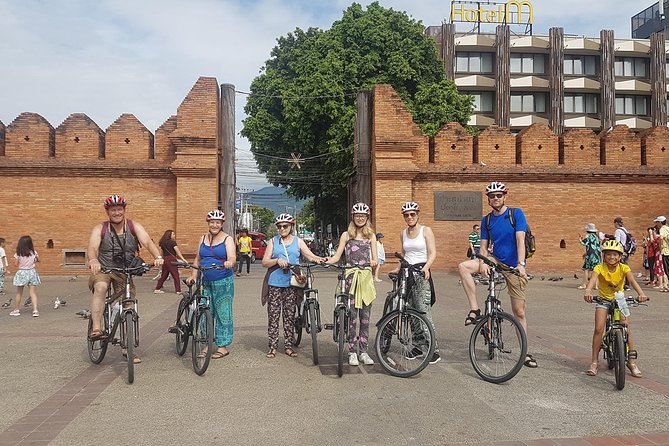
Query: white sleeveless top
{"x": 415, "y": 249}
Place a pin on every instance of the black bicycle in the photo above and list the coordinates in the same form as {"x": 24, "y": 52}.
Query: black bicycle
{"x": 123, "y": 314}
{"x": 194, "y": 320}
{"x": 498, "y": 344}
{"x": 615, "y": 339}
{"x": 308, "y": 313}
{"x": 405, "y": 339}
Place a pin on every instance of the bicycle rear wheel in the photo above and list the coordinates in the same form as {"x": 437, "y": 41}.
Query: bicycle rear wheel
{"x": 341, "y": 339}
{"x": 98, "y": 348}
{"x": 130, "y": 340}
{"x": 312, "y": 324}
{"x": 405, "y": 343}
{"x": 299, "y": 325}
{"x": 497, "y": 347}
{"x": 619, "y": 358}
{"x": 203, "y": 339}
{"x": 183, "y": 330}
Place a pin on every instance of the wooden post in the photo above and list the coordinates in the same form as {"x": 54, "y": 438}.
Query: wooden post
{"x": 363, "y": 139}
{"x": 226, "y": 166}
{"x": 448, "y": 49}
{"x": 556, "y": 80}
{"x": 608, "y": 82}
{"x": 503, "y": 54}
{"x": 658, "y": 80}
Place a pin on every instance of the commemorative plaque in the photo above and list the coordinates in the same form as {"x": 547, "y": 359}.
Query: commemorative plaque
{"x": 464, "y": 205}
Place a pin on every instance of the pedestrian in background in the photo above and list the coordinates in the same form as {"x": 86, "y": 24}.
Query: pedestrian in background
{"x": 381, "y": 255}
{"x": 26, "y": 274}
{"x": 474, "y": 242}
{"x": 244, "y": 249}
{"x": 3, "y": 265}
{"x": 592, "y": 256}
{"x": 171, "y": 254}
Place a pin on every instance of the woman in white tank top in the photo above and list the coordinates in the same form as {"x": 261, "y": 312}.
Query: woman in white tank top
{"x": 418, "y": 248}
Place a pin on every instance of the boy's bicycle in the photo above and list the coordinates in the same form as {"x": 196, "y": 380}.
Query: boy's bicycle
{"x": 498, "y": 344}
{"x": 308, "y": 313}
{"x": 194, "y": 320}
{"x": 405, "y": 339}
{"x": 615, "y": 339}
{"x": 116, "y": 314}
{"x": 342, "y": 314}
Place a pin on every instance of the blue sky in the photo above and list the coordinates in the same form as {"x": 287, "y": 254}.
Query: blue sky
{"x": 109, "y": 57}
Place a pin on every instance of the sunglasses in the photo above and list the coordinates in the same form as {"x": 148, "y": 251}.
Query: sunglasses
{"x": 410, "y": 214}
{"x": 493, "y": 196}
{"x": 283, "y": 226}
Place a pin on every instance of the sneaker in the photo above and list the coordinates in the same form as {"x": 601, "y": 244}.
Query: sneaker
{"x": 364, "y": 357}
{"x": 435, "y": 358}
{"x": 15, "y": 313}
{"x": 353, "y": 359}
{"x": 35, "y": 313}
{"x": 413, "y": 354}
{"x": 158, "y": 292}
{"x": 238, "y": 274}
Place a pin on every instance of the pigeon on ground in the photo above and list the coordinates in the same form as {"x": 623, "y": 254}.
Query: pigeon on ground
{"x": 8, "y": 303}
{"x": 73, "y": 278}
{"x": 85, "y": 313}
{"x": 543, "y": 278}
{"x": 575, "y": 276}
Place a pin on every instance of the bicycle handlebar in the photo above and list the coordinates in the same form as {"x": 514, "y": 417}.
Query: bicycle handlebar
{"x": 200, "y": 267}
{"x": 133, "y": 271}
{"x": 499, "y": 265}
{"x": 405, "y": 264}
{"x": 631, "y": 301}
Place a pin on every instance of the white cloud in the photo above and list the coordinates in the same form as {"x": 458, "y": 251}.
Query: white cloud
{"x": 109, "y": 57}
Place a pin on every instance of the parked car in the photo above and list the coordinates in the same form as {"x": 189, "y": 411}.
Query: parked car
{"x": 258, "y": 245}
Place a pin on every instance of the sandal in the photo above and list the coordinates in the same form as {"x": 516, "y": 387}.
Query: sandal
{"x": 135, "y": 360}
{"x": 473, "y": 317}
{"x": 634, "y": 370}
{"x": 592, "y": 371}
{"x": 291, "y": 353}
{"x": 271, "y": 353}
{"x": 218, "y": 355}
{"x": 580, "y": 287}
{"x": 530, "y": 362}
{"x": 97, "y": 335}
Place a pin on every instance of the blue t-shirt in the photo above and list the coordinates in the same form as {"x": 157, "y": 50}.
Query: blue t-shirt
{"x": 503, "y": 236}
{"x": 214, "y": 255}
{"x": 281, "y": 277}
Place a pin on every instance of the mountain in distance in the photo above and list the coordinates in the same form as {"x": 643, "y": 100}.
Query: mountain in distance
{"x": 276, "y": 199}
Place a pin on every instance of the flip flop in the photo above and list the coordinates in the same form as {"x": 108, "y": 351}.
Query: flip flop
{"x": 97, "y": 335}
{"x": 271, "y": 353}
{"x": 290, "y": 352}
{"x": 136, "y": 359}
{"x": 219, "y": 355}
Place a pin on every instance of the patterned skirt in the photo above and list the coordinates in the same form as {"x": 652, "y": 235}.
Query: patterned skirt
{"x": 25, "y": 277}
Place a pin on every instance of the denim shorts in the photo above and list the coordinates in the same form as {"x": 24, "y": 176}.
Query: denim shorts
{"x": 605, "y": 305}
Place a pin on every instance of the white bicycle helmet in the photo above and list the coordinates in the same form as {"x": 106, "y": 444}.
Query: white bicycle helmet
{"x": 360, "y": 208}
{"x": 216, "y": 215}
{"x": 410, "y": 206}
{"x": 284, "y": 218}
{"x": 114, "y": 200}
{"x": 496, "y": 186}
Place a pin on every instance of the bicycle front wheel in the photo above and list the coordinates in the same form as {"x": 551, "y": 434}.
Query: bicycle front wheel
{"x": 341, "y": 339}
{"x": 619, "y": 358}
{"x": 183, "y": 330}
{"x": 130, "y": 338}
{"x": 497, "y": 347}
{"x": 203, "y": 340}
{"x": 405, "y": 343}
{"x": 312, "y": 323}
{"x": 98, "y": 348}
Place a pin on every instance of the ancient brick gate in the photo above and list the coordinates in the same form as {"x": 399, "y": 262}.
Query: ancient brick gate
{"x": 53, "y": 181}
{"x": 562, "y": 183}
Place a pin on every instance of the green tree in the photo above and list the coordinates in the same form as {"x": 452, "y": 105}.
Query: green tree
{"x": 264, "y": 216}
{"x": 303, "y": 102}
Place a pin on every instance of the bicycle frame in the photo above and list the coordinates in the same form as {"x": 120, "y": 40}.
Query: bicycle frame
{"x": 129, "y": 308}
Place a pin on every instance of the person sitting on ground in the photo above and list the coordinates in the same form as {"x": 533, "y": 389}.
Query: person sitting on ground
{"x": 611, "y": 276}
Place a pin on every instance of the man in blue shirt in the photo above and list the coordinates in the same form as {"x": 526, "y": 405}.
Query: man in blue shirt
{"x": 508, "y": 243}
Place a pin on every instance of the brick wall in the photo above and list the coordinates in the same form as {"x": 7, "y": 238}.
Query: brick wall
{"x": 57, "y": 200}
{"x": 558, "y": 199}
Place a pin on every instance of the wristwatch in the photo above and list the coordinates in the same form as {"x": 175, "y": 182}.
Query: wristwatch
{"x": 523, "y": 263}
{"x": 159, "y": 258}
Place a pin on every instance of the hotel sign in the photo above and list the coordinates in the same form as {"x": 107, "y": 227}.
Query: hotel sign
{"x": 511, "y": 12}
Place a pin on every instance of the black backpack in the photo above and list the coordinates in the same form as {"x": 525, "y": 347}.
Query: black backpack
{"x": 530, "y": 242}
{"x": 630, "y": 243}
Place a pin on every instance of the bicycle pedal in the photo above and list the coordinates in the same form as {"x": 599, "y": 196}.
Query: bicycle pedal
{"x": 632, "y": 354}
{"x": 174, "y": 330}
{"x": 328, "y": 326}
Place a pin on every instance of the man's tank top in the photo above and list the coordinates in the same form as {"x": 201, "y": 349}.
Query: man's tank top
{"x": 415, "y": 249}
{"x": 117, "y": 253}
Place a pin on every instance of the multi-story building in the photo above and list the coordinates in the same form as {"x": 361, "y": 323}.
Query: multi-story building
{"x": 564, "y": 81}
{"x": 651, "y": 20}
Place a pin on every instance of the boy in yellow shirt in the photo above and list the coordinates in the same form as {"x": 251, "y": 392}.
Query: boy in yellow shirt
{"x": 611, "y": 275}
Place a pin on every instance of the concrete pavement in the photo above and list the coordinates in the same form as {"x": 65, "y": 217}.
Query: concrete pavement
{"x": 53, "y": 395}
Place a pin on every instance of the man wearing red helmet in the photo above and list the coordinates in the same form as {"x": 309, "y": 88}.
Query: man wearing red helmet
{"x": 114, "y": 243}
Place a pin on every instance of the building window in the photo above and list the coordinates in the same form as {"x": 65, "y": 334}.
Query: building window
{"x": 632, "y": 105}
{"x": 483, "y": 101}
{"x": 580, "y": 103}
{"x": 528, "y": 63}
{"x": 469, "y": 62}
{"x": 74, "y": 258}
{"x": 632, "y": 67}
{"x": 528, "y": 103}
{"x": 580, "y": 65}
